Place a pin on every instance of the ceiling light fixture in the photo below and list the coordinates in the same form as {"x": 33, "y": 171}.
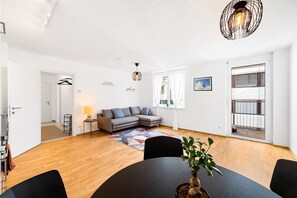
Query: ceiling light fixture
{"x": 241, "y": 18}
{"x": 52, "y": 6}
{"x": 136, "y": 76}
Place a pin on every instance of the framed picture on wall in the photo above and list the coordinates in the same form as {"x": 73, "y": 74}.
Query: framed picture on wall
{"x": 203, "y": 84}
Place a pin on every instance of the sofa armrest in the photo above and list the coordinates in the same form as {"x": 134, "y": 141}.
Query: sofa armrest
{"x": 104, "y": 123}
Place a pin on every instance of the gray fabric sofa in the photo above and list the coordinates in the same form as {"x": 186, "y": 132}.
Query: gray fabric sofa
{"x": 131, "y": 117}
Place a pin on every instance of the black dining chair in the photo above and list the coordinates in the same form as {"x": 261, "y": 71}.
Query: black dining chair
{"x": 284, "y": 178}
{"x": 162, "y": 146}
{"x": 45, "y": 185}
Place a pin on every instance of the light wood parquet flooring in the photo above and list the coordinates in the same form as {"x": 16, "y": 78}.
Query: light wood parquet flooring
{"x": 86, "y": 161}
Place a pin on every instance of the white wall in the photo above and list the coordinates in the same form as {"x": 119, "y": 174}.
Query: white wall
{"x": 65, "y": 96}
{"x": 293, "y": 98}
{"x": 281, "y": 97}
{"x": 88, "y": 90}
{"x": 204, "y": 111}
{"x": 210, "y": 111}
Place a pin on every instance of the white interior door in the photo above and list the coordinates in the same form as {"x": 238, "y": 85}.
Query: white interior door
{"x": 46, "y": 102}
{"x": 24, "y": 101}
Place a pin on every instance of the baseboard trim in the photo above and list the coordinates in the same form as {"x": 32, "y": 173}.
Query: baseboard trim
{"x": 195, "y": 131}
{"x": 225, "y": 136}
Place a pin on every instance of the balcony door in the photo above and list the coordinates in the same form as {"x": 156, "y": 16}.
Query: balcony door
{"x": 248, "y": 102}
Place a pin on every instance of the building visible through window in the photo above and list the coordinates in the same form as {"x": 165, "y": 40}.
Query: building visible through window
{"x": 165, "y": 98}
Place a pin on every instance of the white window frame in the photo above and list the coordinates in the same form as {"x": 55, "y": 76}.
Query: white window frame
{"x": 158, "y": 81}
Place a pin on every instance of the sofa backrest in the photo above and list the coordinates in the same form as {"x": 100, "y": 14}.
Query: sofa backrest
{"x": 135, "y": 110}
{"x": 107, "y": 113}
{"x": 126, "y": 112}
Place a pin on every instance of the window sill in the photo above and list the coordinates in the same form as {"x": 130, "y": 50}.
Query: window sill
{"x": 170, "y": 108}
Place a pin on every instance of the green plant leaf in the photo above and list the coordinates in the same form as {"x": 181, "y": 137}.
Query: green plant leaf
{"x": 210, "y": 141}
{"x": 217, "y": 170}
{"x": 209, "y": 173}
{"x": 196, "y": 154}
{"x": 191, "y": 139}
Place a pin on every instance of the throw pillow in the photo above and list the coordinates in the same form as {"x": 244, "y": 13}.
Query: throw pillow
{"x": 118, "y": 113}
{"x": 135, "y": 110}
{"x": 126, "y": 112}
{"x": 107, "y": 113}
{"x": 145, "y": 111}
{"x": 150, "y": 113}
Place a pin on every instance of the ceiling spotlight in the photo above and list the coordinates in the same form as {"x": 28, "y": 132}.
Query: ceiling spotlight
{"x": 52, "y": 6}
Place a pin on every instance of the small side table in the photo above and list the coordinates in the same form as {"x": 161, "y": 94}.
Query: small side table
{"x": 91, "y": 123}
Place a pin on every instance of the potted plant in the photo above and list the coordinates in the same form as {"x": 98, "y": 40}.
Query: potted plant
{"x": 197, "y": 156}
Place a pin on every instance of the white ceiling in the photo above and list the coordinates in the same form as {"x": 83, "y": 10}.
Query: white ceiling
{"x": 156, "y": 33}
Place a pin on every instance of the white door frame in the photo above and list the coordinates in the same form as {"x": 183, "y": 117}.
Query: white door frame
{"x": 263, "y": 59}
{"x": 75, "y": 128}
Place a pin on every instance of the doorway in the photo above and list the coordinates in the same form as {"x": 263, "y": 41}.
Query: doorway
{"x": 249, "y": 102}
{"x": 56, "y": 106}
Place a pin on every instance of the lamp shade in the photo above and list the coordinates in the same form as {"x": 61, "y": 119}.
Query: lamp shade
{"x": 88, "y": 110}
{"x": 241, "y": 18}
{"x": 137, "y": 76}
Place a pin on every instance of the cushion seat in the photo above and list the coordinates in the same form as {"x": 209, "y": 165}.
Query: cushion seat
{"x": 125, "y": 120}
{"x": 148, "y": 118}
{"x": 148, "y": 121}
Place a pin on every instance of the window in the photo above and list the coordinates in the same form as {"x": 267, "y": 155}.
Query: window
{"x": 165, "y": 98}
{"x": 169, "y": 89}
{"x": 249, "y": 76}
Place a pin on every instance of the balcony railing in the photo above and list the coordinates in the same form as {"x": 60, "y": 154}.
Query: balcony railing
{"x": 248, "y": 114}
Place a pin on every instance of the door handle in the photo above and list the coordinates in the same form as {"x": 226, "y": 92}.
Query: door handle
{"x": 14, "y": 108}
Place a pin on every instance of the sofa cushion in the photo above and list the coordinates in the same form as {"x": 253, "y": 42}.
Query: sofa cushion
{"x": 145, "y": 111}
{"x": 126, "y": 112}
{"x": 118, "y": 113}
{"x": 148, "y": 118}
{"x": 107, "y": 113}
{"x": 135, "y": 110}
{"x": 124, "y": 120}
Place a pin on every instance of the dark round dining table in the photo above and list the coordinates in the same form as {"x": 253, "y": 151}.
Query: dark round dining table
{"x": 159, "y": 178}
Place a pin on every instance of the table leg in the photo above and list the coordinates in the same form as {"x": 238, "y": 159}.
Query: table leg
{"x": 83, "y": 128}
{"x": 91, "y": 123}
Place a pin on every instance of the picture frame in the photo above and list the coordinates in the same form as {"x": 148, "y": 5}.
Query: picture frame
{"x": 202, "y": 84}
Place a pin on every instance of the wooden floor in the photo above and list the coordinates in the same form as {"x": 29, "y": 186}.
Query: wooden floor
{"x": 85, "y": 162}
{"x": 51, "y": 133}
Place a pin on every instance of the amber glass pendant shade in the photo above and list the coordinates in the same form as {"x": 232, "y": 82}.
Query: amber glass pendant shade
{"x": 137, "y": 76}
